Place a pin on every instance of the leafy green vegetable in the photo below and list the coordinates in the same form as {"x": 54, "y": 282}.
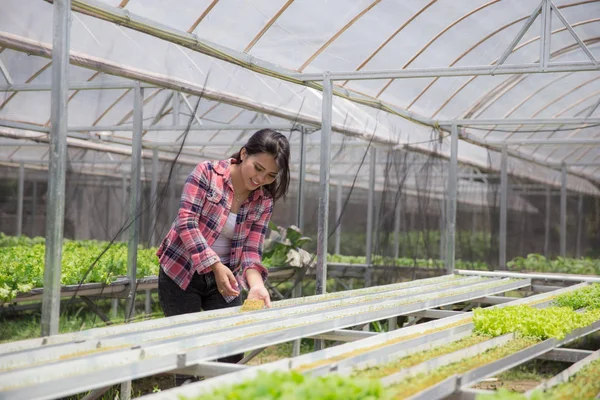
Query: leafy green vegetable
{"x": 295, "y": 386}
{"x": 587, "y": 297}
{"x": 544, "y": 323}
{"x": 23, "y": 265}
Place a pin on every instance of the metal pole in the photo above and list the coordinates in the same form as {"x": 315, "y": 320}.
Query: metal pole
{"x": 370, "y": 212}
{"x": 397, "y": 215}
{"x": 297, "y": 292}
{"x": 443, "y": 206}
{"x": 324, "y": 185}
{"x": 154, "y": 197}
{"x": 563, "y": 211}
{"x": 547, "y": 230}
{"x": 338, "y": 230}
{"x": 579, "y": 224}
{"x": 451, "y": 207}
{"x": 124, "y": 206}
{"x": 134, "y": 198}
{"x": 20, "y": 193}
{"x": 55, "y": 213}
{"x": 301, "y": 177}
{"x": 33, "y": 209}
{"x": 503, "y": 208}
{"x": 322, "y": 231}
{"x": 176, "y": 107}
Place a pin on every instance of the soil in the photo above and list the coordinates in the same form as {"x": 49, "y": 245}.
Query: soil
{"x": 520, "y": 386}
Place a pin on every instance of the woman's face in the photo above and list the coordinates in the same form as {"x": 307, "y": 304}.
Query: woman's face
{"x": 258, "y": 169}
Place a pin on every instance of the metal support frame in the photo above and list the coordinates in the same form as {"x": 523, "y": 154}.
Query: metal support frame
{"x": 443, "y": 209}
{"x": 134, "y": 199}
{"x": 548, "y": 221}
{"x": 503, "y": 209}
{"x": 563, "y": 211}
{"x": 124, "y": 202}
{"x": 301, "y": 177}
{"x": 451, "y": 205}
{"x": 397, "y": 223}
{"x": 58, "y": 166}
{"x": 176, "y": 107}
{"x": 580, "y": 222}
{"x": 370, "y": 216}
{"x": 154, "y": 198}
{"x": 20, "y": 196}
{"x": 338, "y": 217}
{"x": 327, "y": 110}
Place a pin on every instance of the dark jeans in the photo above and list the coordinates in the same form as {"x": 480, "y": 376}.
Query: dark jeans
{"x": 201, "y": 294}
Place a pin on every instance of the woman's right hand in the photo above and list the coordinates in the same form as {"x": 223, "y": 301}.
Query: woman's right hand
{"x": 226, "y": 282}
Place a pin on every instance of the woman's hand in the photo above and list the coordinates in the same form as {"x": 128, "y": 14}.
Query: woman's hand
{"x": 226, "y": 282}
{"x": 260, "y": 292}
{"x": 257, "y": 287}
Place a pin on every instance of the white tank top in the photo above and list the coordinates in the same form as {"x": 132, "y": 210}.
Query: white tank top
{"x": 222, "y": 246}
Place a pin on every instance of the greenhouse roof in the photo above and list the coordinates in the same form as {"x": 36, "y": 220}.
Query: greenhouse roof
{"x": 259, "y": 62}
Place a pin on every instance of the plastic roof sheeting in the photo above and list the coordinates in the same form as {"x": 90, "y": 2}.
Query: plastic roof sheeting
{"x": 314, "y": 36}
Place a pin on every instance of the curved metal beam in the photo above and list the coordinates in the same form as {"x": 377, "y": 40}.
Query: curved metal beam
{"x": 484, "y": 97}
{"x": 392, "y": 36}
{"x": 268, "y": 26}
{"x": 337, "y": 34}
{"x": 436, "y": 37}
{"x": 484, "y": 39}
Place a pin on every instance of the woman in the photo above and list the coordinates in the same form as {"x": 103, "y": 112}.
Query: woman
{"x": 215, "y": 244}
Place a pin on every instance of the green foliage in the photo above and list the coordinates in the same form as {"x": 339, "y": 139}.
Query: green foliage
{"x": 419, "y": 382}
{"x": 505, "y": 394}
{"x": 405, "y": 262}
{"x": 11, "y": 241}
{"x": 539, "y": 263}
{"x": 587, "y": 297}
{"x": 23, "y": 266}
{"x": 284, "y": 248}
{"x": 295, "y": 386}
{"x": 539, "y": 323}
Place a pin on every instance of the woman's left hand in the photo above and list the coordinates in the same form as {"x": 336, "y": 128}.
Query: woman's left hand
{"x": 260, "y": 292}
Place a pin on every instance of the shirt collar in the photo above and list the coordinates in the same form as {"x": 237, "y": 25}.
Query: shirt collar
{"x": 222, "y": 168}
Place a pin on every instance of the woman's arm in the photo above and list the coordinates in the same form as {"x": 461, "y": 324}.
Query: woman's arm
{"x": 253, "y": 273}
{"x": 192, "y": 200}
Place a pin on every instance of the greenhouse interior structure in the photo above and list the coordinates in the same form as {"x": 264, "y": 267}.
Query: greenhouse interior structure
{"x": 440, "y": 238}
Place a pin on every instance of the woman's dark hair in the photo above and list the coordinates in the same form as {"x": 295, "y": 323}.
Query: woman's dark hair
{"x": 277, "y": 145}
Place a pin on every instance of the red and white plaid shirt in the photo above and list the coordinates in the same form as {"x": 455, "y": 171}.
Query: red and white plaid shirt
{"x": 205, "y": 204}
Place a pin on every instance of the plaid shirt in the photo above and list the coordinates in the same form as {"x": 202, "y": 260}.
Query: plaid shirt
{"x": 205, "y": 204}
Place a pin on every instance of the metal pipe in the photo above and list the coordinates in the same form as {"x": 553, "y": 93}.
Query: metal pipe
{"x": 579, "y": 225}
{"x": 563, "y": 212}
{"x": 538, "y": 142}
{"x": 443, "y": 206}
{"x": 546, "y": 34}
{"x": 547, "y": 226}
{"x": 203, "y": 127}
{"x": 327, "y": 110}
{"x": 134, "y": 198}
{"x": 370, "y": 212}
{"x": 34, "y": 196}
{"x": 522, "y": 121}
{"x": 519, "y": 275}
{"x": 338, "y": 229}
{"x": 20, "y": 195}
{"x": 55, "y": 210}
{"x": 154, "y": 197}
{"x": 176, "y": 107}
{"x": 397, "y": 216}
{"x": 503, "y": 208}
{"x": 452, "y": 194}
{"x": 124, "y": 203}
{"x": 301, "y": 177}
{"x": 452, "y": 71}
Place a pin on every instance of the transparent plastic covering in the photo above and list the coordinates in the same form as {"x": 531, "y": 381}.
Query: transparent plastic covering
{"x": 307, "y": 36}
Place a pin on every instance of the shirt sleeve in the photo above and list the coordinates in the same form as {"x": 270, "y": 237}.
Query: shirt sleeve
{"x": 187, "y": 225}
{"x": 253, "y": 247}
